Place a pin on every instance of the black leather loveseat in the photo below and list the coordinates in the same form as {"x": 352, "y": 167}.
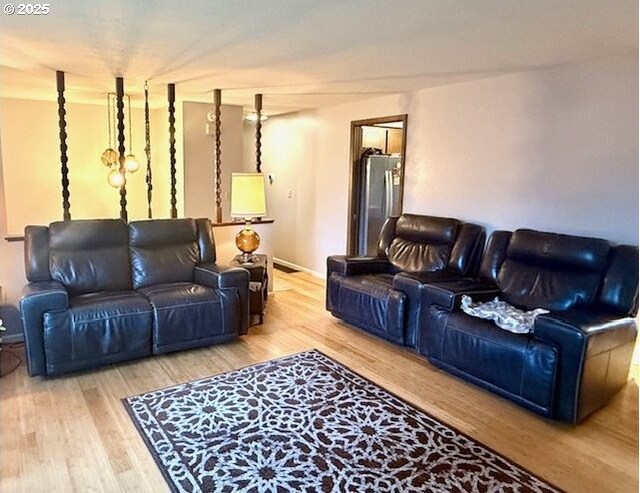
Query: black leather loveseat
{"x": 577, "y": 356}
{"x": 382, "y": 294}
{"x": 102, "y": 291}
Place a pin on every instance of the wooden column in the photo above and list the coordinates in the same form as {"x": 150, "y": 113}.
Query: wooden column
{"x": 171, "y": 96}
{"x": 258, "y": 102}
{"x": 147, "y": 150}
{"x": 121, "y": 146}
{"x": 64, "y": 160}
{"x": 217, "y": 102}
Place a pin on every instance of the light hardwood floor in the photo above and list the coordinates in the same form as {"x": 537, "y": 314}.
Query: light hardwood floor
{"x": 73, "y": 434}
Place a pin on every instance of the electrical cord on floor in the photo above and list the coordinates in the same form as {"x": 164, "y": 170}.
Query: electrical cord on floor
{"x": 6, "y": 350}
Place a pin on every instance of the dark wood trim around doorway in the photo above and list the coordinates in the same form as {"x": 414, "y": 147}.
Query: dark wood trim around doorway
{"x": 354, "y": 172}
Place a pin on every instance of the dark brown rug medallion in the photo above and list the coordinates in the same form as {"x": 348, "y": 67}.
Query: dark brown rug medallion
{"x": 307, "y": 423}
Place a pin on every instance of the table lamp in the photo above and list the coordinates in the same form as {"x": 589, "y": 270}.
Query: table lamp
{"x": 247, "y": 202}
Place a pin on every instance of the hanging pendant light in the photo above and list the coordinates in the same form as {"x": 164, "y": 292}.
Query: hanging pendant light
{"x": 131, "y": 164}
{"x": 116, "y": 179}
{"x": 109, "y": 156}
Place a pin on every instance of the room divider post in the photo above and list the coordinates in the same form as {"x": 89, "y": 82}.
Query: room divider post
{"x": 171, "y": 96}
{"x": 217, "y": 102}
{"x": 121, "y": 146}
{"x": 64, "y": 160}
{"x": 258, "y": 103}
{"x": 147, "y": 150}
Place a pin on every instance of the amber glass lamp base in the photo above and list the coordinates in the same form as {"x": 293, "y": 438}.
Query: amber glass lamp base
{"x": 247, "y": 241}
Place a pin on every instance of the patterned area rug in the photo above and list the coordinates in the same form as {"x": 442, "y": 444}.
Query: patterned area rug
{"x": 307, "y": 423}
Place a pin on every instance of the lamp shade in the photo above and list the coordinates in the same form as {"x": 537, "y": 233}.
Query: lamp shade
{"x": 247, "y": 195}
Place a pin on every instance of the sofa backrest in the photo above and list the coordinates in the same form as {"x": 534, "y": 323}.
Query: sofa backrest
{"x": 619, "y": 292}
{"x": 107, "y": 255}
{"x": 83, "y": 255}
{"x": 535, "y": 269}
{"x": 167, "y": 250}
{"x": 419, "y": 244}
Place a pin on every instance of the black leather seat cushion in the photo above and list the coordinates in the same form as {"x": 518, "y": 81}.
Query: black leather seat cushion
{"x": 97, "y": 329}
{"x": 516, "y": 364}
{"x": 190, "y": 315}
{"x": 369, "y": 301}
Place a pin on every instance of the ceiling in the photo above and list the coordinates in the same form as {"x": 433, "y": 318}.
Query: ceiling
{"x": 299, "y": 53}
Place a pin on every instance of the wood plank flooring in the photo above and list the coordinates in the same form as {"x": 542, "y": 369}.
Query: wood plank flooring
{"x": 73, "y": 434}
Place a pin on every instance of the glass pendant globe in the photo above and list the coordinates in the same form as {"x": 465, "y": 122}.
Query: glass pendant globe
{"x": 109, "y": 157}
{"x": 116, "y": 179}
{"x": 131, "y": 163}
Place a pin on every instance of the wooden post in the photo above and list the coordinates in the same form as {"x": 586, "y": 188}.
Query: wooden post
{"x": 121, "y": 146}
{"x": 64, "y": 160}
{"x": 171, "y": 96}
{"x": 147, "y": 150}
{"x": 258, "y": 102}
{"x": 217, "y": 102}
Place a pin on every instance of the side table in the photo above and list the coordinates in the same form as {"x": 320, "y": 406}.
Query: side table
{"x": 258, "y": 286}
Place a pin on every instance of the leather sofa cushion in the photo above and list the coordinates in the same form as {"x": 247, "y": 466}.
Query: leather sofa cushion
{"x": 90, "y": 256}
{"x": 427, "y": 229}
{"x": 533, "y": 287}
{"x": 97, "y": 329}
{"x": 553, "y": 250}
{"x": 36, "y": 253}
{"x": 422, "y": 243}
{"x": 514, "y": 363}
{"x": 415, "y": 257}
{"x": 190, "y": 315}
{"x": 206, "y": 242}
{"x": 163, "y": 251}
{"x": 620, "y": 286}
{"x": 370, "y": 302}
{"x": 552, "y": 271}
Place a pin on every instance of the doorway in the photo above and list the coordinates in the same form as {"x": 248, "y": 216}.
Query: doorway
{"x": 378, "y": 148}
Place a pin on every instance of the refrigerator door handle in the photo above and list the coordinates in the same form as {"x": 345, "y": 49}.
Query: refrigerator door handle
{"x": 364, "y": 212}
{"x": 388, "y": 193}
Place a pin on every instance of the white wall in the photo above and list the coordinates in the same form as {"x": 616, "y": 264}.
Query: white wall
{"x": 553, "y": 149}
{"x": 199, "y": 178}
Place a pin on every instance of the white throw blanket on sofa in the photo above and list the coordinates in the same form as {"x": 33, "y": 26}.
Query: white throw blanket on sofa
{"x": 503, "y": 314}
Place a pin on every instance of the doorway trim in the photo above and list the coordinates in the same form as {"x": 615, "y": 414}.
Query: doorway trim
{"x": 354, "y": 172}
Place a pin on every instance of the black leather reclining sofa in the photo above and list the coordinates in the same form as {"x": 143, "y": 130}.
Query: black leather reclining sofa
{"x": 577, "y": 356}
{"x": 382, "y": 294}
{"x": 103, "y": 291}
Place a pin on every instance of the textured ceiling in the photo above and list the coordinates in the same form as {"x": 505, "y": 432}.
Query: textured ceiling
{"x": 299, "y": 53}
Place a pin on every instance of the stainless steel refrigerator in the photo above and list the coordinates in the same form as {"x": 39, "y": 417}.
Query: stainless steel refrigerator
{"x": 379, "y": 198}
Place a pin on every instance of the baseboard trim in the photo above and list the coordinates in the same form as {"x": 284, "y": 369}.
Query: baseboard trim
{"x": 291, "y": 265}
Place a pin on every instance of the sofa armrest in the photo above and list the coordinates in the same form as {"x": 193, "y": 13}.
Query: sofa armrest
{"x": 412, "y": 285}
{"x": 353, "y": 266}
{"x": 223, "y": 277}
{"x": 595, "y": 350}
{"x": 36, "y": 299}
{"x": 448, "y": 294}
{"x": 437, "y": 301}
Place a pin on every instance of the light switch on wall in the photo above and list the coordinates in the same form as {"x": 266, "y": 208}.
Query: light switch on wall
{"x": 290, "y": 194}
